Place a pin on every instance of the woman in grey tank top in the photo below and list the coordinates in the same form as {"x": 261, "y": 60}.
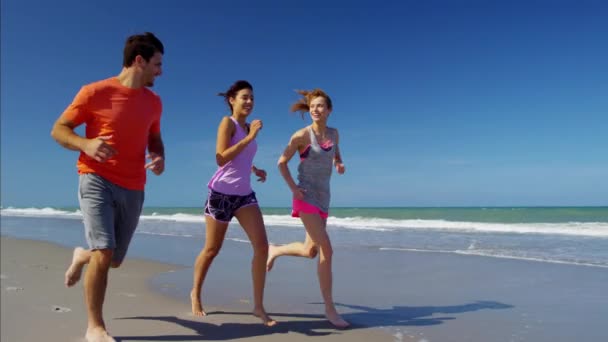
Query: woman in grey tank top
{"x": 319, "y": 153}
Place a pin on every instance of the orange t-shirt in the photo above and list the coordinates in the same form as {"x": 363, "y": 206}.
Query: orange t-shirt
{"x": 129, "y": 116}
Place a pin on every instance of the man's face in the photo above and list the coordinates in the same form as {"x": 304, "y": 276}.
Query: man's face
{"x": 152, "y": 69}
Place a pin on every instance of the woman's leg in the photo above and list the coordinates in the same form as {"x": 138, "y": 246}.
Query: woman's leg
{"x": 299, "y": 249}
{"x": 250, "y": 218}
{"x": 316, "y": 228}
{"x": 214, "y": 237}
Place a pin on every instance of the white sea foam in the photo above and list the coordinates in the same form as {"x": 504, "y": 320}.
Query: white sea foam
{"x": 239, "y": 240}
{"x": 586, "y": 229}
{"x": 40, "y": 212}
{"x": 179, "y": 217}
{"x": 594, "y": 229}
{"x": 496, "y": 254}
{"x": 148, "y": 232}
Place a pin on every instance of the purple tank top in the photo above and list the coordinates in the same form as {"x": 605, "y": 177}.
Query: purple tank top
{"x": 234, "y": 178}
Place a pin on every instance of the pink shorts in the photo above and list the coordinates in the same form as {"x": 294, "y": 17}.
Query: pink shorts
{"x": 307, "y": 208}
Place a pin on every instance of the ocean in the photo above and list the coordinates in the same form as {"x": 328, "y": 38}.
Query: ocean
{"x": 418, "y": 272}
{"x": 566, "y": 235}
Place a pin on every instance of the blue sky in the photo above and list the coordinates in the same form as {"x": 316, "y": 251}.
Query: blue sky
{"x": 438, "y": 103}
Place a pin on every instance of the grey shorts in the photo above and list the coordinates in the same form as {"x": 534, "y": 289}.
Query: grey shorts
{"x": 110, "y": 214}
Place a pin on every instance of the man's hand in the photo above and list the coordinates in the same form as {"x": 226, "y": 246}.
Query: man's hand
{"x": 157, "y": 165}
{"x": 98, "y": 149}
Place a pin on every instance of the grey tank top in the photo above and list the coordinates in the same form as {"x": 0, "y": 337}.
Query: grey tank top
{"x": 314, "y": 171}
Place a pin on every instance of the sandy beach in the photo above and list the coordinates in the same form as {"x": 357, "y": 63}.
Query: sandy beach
{"x": 37, "y": 307}
{"x": 388, "y": 294}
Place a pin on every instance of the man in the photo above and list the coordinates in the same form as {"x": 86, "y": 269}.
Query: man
{"x": 122, "y": 118}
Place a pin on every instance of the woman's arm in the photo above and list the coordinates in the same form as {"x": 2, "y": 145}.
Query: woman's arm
{"x": 338, "y": 163}
{"x": 223, "y": 151}
{"x": 294, "y": 145}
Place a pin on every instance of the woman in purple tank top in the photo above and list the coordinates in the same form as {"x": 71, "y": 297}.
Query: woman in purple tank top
{"x": 230, "y": 195}
{"x": 317, "y": 146}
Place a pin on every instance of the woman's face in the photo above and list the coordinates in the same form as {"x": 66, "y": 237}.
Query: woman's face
{"x": 242, "y": 102}
{"x": 318, "y": 109}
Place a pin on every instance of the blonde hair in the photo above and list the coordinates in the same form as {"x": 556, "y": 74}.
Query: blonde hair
{"x": 303, "y": 104}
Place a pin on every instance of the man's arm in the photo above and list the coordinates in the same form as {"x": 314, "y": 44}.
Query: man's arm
{"x": 63, "y": 133}
{"x": 156, "y": 152}
{"x": 155, "y": 144}
{"x": 75, "y": 115}
{"x": 97, "y": 148}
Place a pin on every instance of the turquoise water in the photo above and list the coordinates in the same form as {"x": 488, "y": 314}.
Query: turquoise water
{"x": 473, "y": 214}
{"x": 571, "y": 235}
{"x": 497, "y": 215}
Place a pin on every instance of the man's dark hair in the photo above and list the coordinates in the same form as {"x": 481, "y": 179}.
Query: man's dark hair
{"x": 144, "y": 45}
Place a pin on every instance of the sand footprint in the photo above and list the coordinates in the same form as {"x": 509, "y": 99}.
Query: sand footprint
{"x": 61, "y": 309}
{"x": 127, "y": 294}
{"x": 14, "y": 288}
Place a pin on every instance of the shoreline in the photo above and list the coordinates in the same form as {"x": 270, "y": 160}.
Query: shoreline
{"x": 37, "y": 306}
{"x": 390, "y": 295}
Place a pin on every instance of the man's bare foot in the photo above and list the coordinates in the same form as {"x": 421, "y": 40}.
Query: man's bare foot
{"x": 261, "y": 313}
{"x": 197, "y": 307}
{"x": 337, "y": 321}
{"x": 79, "y": 259}
{"x": 98, "y": 334}
{"x": 271, "y": 256}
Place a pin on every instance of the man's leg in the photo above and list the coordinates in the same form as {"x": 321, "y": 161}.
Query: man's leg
{"x": 80, "y": 257}
{"x": 98, "y": 210}
{"x": 129, "y": 204}
{"x": 95, "y": 284}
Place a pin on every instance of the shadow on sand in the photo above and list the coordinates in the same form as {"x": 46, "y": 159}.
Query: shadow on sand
{"x": 312, "y": 325}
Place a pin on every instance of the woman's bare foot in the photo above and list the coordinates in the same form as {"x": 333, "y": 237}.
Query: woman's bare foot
{"x": 79, "y": 259}
{"x": 336, "y": 320}
{"x": 261, "y": 313}
{"x": 197, "y": 306}
{"x": 98, "y": 334}
{"x": 271, "y": 256}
